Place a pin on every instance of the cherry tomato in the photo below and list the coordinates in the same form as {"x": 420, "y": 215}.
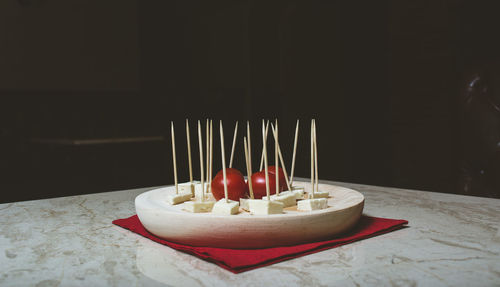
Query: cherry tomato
{"x": 272, "y": 170}
{"x": 259, "y": 184}
{"x": 236, "y": 186}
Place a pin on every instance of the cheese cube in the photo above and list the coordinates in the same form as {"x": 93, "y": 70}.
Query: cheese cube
{"x": 178, "y": 198}
{"x": 264, "y": 207}
{"x": 286, "y": 197}
{"x": 197, "y": 189}
{"x": 312, "y": 204}
{"x": 319, "y": 194}
{"x": 225, "y": 208}
{"x": 199, "y": 206}
{"x": 188, "y": 187}
{"x": 298, "y": 191}
{"x": 244, "y": 204}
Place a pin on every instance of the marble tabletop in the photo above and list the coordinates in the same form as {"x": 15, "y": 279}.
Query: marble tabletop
{"x": 451, "y": 240}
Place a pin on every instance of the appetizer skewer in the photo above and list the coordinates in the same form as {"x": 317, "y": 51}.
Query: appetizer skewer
{"x": 248, "y": 162}
{"x": 315, "y": 158}
{"x": 191, "y": 185}
{"x": 317, "y": 199}
{"x": 224, "y": 206}
{"x": 276, "y": 159}
{"x": 312, "y": 159}
{"x": 200, "y": 205}
{"x": 249, "y": 149}
{"x": 174, "y": 161}
{"x": 287, "y": 198}
{"x": 264, "y": 152}
{"x": 244, "y": 201}
{"x": 317, "y": 192}
{"x": 202, "y": 172}
{"x": 262, "y": 155}
{"x": 188, "y": 139}
{"x": 299, "y": 191}
{"x": 211, "y": 155}
{"x": 207, "y": 159}
{"x": 182, "y": 196}
{"x": 294, "y": 152}
{"x": 249, "y": 169}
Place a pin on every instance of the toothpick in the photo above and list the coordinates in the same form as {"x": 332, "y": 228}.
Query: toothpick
{"x": 288, "y": 184}
{"x": 173, "y": 157}
{"x": 316, "y": 157}
{"x": 249, "y": 170}
{"x": 262, "y": 155}
{"x": 294, "y": 152}
{"x": 312, "y": 160}
{"x": 234, "y": 144}
{"x": 211, "y": 155}
{"x": 264, "y": 151}
{"x": 249, "y": 146}
{"x": 202, "y": 172}
{"x": 189, "y": 152}
{"x": 276, "y": 159}
{"x": 207, "y": 137}
{"x": 223, "y": 160}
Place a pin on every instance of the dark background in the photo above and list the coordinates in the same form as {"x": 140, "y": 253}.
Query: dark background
{"x": 384, "y": 80}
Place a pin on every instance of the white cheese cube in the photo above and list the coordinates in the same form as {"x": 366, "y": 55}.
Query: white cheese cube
{"x": 199, "y": 206}
{"x": 188, "y": 187}
{"x": 298, "y": 192}
{"x": 244, "y": 204}
{"x": 312, "y": 204}
{"x": 178, "y": 198}
{"x": 264, "y": 207}
{"x": 225, "y": 208}
{"x": 319, "y": 194}
{"x": 286, "y": 197}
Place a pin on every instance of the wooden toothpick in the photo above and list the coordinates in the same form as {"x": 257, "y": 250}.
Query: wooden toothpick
{"x": 173, "y": 157}
{"x": 189, "y": 153}
{"x": 276, "y": 159}
{"x": 262, "y": 155}
{"x": 312, "y": 160}
{"x": 249, "y": 146}
{"x": 202, "y": 172}
{"x": 249, "y": 170}
{"x": 234, "y": 145}
{"x": 264, "y": 151}
{"x": 207, "y": 138}
{"x": 211, "y": 155}
{"x": 316, "y": 157}
{"x": 288, "y": 184}
{"x": 223, "y": 160}
{"x": 294, "y": 152}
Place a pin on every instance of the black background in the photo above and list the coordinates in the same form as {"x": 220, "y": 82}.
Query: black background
{"x": 382, "y": 78}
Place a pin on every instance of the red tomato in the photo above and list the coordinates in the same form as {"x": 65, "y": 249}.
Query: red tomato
{"x": 259, "y": 184}
{"x": 232, "y": 170}
{"x": 272, "y": 171}
{"x": 236, "y": 186}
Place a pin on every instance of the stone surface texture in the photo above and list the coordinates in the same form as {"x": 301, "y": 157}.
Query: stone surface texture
{"x": 451, "y": 240}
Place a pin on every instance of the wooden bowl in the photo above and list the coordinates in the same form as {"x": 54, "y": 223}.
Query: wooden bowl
{"x": 245, "y": 230}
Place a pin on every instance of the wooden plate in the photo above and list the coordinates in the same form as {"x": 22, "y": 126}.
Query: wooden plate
{"x": 245, "y": 230}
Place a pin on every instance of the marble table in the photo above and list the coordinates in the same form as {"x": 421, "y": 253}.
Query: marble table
{"x": 451, "y": 240}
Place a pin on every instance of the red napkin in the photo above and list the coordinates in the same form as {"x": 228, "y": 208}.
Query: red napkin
{"x": 240, "y": 260}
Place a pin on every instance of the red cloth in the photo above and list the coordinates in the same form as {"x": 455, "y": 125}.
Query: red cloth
{"x": 240, "y": 260}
